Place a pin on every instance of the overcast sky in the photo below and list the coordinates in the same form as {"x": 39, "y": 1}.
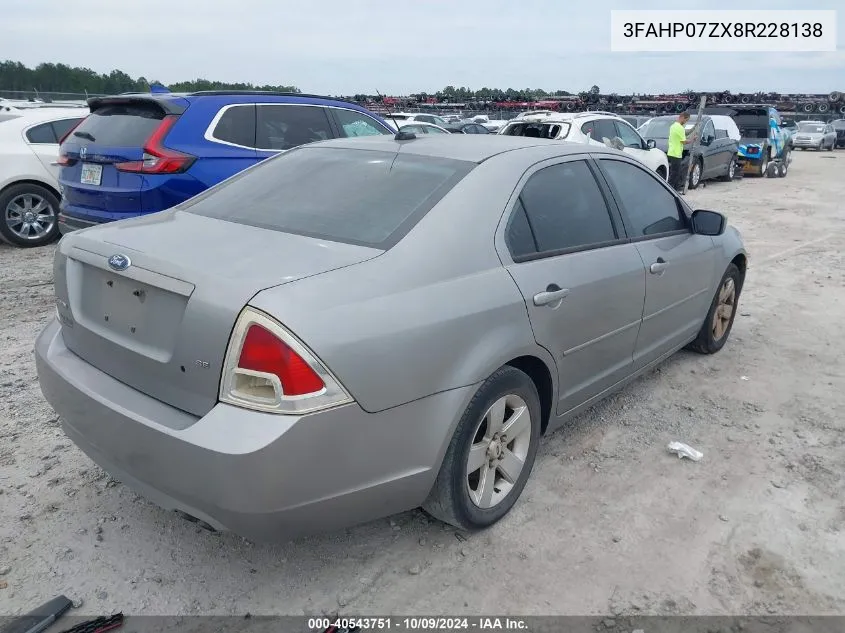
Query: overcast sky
{"x": 397, "y": 46}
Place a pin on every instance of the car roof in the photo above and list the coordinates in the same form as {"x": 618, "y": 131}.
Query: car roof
{"x": 474, "y": 148}
{"x": 177, "y": 102}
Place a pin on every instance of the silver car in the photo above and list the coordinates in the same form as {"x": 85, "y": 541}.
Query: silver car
{"x": 816, "y": 135}
{"x": 364, "y": 326}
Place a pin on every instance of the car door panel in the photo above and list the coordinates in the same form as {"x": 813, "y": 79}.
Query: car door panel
{"x": 679, "y": 265}
{"x": 584, "y": 302}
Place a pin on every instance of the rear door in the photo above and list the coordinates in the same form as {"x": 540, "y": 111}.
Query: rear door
{"x": 680, "y": 265}
{"x": 582, "y": 281}
{"x": 44, "y": 143}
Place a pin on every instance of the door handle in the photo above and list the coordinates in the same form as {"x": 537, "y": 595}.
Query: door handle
{"x": 658, "y": 267}
{"x": 552, "y": 294}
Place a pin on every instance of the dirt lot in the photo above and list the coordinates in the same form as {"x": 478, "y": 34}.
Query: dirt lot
{"x": 609, "y": 522}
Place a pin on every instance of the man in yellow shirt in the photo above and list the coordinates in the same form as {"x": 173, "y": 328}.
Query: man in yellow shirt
{"x": 675, "y": 151}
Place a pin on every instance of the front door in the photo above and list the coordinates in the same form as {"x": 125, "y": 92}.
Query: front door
{"x": 582, "y": 281}
{"x": 679, "y": 265}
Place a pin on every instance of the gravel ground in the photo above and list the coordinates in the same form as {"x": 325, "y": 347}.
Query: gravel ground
{"x": 609, "y": 522}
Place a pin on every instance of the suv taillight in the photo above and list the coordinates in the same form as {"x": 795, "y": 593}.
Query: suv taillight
{"x": 268, "y": 369}
{"x": 159, "y": 159}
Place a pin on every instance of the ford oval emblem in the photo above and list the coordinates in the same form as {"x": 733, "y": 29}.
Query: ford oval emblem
{"x": 119, "y": 262}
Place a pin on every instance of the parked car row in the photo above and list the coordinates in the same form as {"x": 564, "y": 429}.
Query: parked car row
{"x": 136, "y": 154}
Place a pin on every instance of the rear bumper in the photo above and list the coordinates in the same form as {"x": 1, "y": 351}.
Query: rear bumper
{"x": 68, "y": 224}
{"x": 265, "y": 477}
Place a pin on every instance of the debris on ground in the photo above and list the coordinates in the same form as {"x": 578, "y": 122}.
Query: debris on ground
{"x": 685, "y": 450}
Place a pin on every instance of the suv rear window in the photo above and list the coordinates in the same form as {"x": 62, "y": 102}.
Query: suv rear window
{"x": 365, "y": 197}
{"x": 120, "y": 125}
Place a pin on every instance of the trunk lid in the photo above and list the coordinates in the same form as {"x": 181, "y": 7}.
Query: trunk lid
{"x": 162, "y": 324}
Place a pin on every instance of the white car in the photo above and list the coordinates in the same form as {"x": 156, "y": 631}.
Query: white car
{"x": 29, "y": 187}
{"x": 418, "y": 127}
{"x": 592, "y": 128}
{"x": 400, "y": 118}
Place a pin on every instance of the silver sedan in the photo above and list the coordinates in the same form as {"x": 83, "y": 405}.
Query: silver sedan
{"x": 363, "y": 326}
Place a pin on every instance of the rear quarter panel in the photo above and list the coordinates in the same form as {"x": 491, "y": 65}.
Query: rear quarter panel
{"x": 436, "y": 312}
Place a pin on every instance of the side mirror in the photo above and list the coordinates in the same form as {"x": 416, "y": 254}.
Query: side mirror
{"x": 651, "y": 143}
{"x": 708, "y": 222}
{"x": 706, "y": 140}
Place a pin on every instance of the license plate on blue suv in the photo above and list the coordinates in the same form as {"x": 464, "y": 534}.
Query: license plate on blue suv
{"x": 91, "y": 174}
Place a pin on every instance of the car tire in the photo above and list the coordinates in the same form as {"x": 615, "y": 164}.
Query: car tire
{"x": 453, "y": 499}
{"x": 713, "y": 336}
{"x": 27, "y": 197}
{"x": 764, "y": 164}
{"x": 731, "y": 173}
{"x": 695, "y": 178}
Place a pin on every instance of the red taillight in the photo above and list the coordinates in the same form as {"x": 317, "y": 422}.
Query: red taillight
{"x": 268, "y": 369}
{"x": 63, "y": 160}
{"x": 265, "y": 353}
{"x": 159, "y": 159}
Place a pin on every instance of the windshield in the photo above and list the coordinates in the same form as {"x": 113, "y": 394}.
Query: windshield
{"x": 364, "y": 197}
{"x": 538, "y": 130}
{"x": 811, "y": 128}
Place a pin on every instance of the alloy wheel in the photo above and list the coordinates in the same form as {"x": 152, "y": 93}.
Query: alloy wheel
{"x": 498, "y": 452}
{"x": 725, "y": 309}
{"x": 30, "y": 216}
{"x": 696, "y": 174}
{"x": 732, "y": 169}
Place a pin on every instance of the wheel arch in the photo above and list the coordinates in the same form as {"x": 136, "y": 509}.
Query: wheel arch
{"x": 32, "y": 181}
{"x": 740, "y": 260}
{"x": 540, "y": 374}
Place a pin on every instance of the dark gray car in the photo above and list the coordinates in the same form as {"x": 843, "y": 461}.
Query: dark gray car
{"x": 362, "y": 326}
{"x": 714, "y": 157}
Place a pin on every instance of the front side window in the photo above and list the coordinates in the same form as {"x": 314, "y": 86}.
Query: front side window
{"x": 283, "y": 127}
{"x": 354, "y": 123}
{"x": 564, "y": 209}
{"x": 650, "y": 208}
{"x": 629, "y": 137}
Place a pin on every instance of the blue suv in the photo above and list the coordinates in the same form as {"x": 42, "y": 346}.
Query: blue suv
{"x": 140, "y": 153}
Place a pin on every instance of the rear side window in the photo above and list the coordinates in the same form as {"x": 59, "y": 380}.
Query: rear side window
{"x": 237, "y": 126}
{"x": 120, "y": 125}
{"x": 281, "y": 127}
{"x": 353, "y": 123}
{"x": 364, "y": 197}
{"x": 41, "y": 134}
{"x": 564, "y": 208}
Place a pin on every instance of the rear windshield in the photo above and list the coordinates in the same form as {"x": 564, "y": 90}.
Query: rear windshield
{"x": 364, "y": 197}
{"x": 124, "y": 125}
{"x": 811, "y": 128}
{"x": 538, "y": 130}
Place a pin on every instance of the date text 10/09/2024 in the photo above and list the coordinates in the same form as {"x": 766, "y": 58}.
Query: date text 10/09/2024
{"x": 724, "y": 29}
{"x": 417, "y": 624}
